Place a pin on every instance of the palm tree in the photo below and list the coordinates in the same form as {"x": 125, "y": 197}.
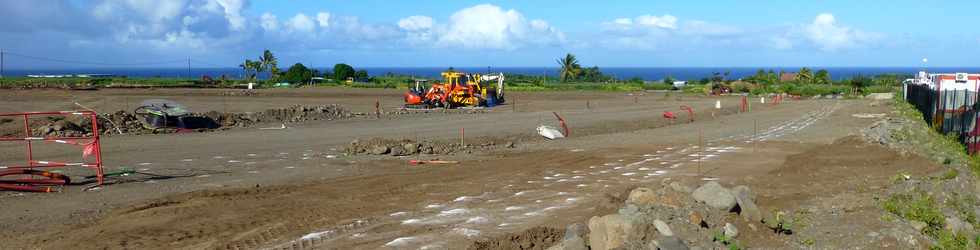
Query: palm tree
{"x": 251, "y": 68}
{"x": 805, "y": 75}
{"x": 569, "y": 67}
{"x": 269, "y": 63}
{"x": 245, "y": 68}
{"x": 823, "y": 77}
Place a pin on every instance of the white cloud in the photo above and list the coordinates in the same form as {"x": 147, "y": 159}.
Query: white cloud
{"x": 301, "y": 23}
{"x": 487, "y": 26}
{"x": 269, "y": 22}
{"x": 415, "y": 23}
{"x": 644, "y": 22}
{"x": 233, "y": 12}
{"x": 828, "y": 35}
{"x": 151, "y": 10}
{"x": 323, "y": 19}
{"x": 664, "y": 22}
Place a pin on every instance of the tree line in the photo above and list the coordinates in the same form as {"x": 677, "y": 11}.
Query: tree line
{"x": 298, "y": 73}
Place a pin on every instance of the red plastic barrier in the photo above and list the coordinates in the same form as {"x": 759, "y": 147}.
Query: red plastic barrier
{"x": 690, "y": 112}
{"x": 90, "y": 147}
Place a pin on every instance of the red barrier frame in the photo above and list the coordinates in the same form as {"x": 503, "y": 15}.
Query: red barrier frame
{"x": 93, "y": 146}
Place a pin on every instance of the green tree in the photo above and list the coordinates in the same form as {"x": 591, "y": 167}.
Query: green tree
{"x": 342, "y": 71}
{"x": 569, "y": 67}
{"x": 591, "y": 74}
{"x": 859, "y": 82}
{"x": 361, "y": 75}
{"x": 298, "y": 73}
{"x": 822, "y": 77}
{"x": 269, "y": 63}
{"x": 251, "y": 69}
{"x": 669, "y": 80}
{"x": 805, "y": 75}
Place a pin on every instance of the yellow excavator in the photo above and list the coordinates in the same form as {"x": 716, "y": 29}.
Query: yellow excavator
{"x": 459, "y": 90}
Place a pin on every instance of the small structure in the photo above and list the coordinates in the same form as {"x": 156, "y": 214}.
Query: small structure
{"x": 679, "y": 84}
{"x": 788, "y": 76}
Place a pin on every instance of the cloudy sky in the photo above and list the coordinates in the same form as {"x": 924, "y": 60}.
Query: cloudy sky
{"x": 164, "y": 33}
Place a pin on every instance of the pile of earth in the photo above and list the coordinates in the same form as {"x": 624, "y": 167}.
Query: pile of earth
{"x": 676, "y": 216}
{"x": 381, "y": 146}
{"x": 292, "y": 114}
{"x": 122, "y": 122}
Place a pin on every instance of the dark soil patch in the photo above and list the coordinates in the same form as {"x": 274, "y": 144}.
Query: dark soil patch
{"x": 534, "y": 238}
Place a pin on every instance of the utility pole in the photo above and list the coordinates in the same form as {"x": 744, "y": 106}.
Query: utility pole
{"x": 189, "y": 68}
{"x": 1, "y": 63}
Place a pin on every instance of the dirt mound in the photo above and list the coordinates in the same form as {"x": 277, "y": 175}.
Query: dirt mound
{"x": 292, "y": 114}
{"x": 382, "y": 146}
{"x": 534, "y": 238}
{"x": 129, "y": 123}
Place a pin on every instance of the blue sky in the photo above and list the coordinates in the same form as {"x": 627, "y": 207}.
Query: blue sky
{"x": 376, "y": 33}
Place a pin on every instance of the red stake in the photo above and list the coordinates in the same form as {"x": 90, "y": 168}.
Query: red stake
{"x": 690, "y": 111}
{"x": 563, "y": 125}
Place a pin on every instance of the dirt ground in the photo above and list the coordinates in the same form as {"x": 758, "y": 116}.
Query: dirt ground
{"x": 295, "y": 188}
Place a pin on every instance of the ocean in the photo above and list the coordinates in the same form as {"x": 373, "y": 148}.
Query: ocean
{"x": 646, "y": 73}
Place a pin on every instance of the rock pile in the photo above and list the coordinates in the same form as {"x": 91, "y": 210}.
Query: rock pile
{"x": 129, "y": 123}
{"x": 292, "y": 114}
{"x": 672, "y": 217}
{"x": 381, "y": 146}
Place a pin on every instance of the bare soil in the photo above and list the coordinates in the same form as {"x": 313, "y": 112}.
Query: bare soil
{"x": 295, "y": 188}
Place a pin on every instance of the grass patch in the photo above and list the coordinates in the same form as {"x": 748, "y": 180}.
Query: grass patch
{"x": 950, "y": 240}
{"x": 950, "y": 174}
{"x": 917, "y": 206}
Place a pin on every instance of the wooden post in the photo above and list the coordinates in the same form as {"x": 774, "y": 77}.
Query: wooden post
{"x": 462, "y": 133}
{"x": 377, "y": 108}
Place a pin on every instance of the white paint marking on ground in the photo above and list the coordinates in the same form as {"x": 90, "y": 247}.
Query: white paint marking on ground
{"x": 317, "y": 235}
{"x": 400, "y": 241}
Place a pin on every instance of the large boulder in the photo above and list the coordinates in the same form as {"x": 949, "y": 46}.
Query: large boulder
{"x": 645, "y": 197}
{"x": 663, "y": 228}
{"x": 608, "y": 232}
{"x": 668, "y": 243}
{"x": 746, "y": 203}
{"x": 730, "y": 231}
{"x": 715, "y": 196}
{"x": 642, "y": 196}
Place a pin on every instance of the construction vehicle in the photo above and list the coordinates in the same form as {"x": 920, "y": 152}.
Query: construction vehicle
{"x": 458, "y": 90}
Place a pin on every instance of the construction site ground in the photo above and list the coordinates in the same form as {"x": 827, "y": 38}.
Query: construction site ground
{"x": 293, "y": 188}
